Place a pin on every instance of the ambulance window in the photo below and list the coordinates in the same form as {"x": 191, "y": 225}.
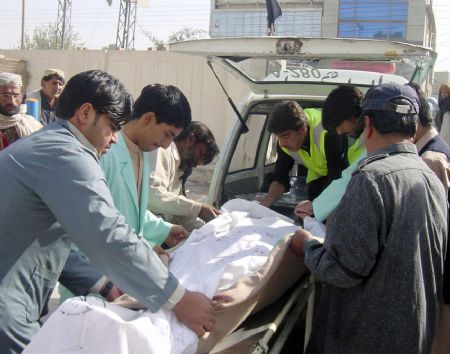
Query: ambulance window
{"x": 244, "y": 156}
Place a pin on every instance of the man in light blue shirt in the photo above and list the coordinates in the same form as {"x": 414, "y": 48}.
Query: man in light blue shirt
{"x": 159, "y": 114}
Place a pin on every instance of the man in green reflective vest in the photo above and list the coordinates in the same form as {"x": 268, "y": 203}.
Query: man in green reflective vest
{"x": 302, "y": 140}
{"x": 341, "y": 113}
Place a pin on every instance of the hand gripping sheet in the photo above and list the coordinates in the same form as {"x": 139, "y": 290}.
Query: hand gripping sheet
{"x": 243, "y": 253}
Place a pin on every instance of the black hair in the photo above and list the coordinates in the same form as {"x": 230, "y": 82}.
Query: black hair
{"x": 168, "y": 103}
{"x": 286, "y": 115}
{"x": 425, "y": 117}
{"x": 106, "y": 94}
{"x": 202, "y": 134}
{"x": 386, "y": 122}
{"x": 343, "y": 103}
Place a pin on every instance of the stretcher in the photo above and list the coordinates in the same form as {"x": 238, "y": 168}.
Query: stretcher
{"x": 243, "y": 254}
{"x": 268, "y": 331}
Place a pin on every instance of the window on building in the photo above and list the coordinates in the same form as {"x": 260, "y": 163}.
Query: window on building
{"x": 234, "y": 23}
{"x": 379, "y": 19}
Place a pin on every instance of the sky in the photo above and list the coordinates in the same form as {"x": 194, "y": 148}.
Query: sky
{"x": 442, "y": 15}
{"x": 96, "y": 22}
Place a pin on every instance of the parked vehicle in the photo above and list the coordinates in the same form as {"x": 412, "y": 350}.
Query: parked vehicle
{"x": 302, "y": 69}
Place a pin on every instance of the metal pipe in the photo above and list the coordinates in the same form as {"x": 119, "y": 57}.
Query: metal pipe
{"x": 309, "y": 312}
{"x": 262, "y": 343}
{"x": 292, "y": 320}
{"x": 22, "y": 39}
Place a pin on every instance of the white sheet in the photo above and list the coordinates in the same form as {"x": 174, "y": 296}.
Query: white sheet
{"x": 234, "y": 245}
{"x": 315, "y": 227}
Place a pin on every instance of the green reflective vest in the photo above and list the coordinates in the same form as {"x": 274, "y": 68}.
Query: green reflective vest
{"x": 356, "y": 148}
{"x": 314, "y": 159}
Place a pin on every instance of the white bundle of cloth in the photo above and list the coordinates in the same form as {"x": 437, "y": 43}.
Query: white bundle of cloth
{"x": 214, "y": 257}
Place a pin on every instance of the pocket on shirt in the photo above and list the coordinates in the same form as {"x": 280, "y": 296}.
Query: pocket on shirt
{"x": 39, "y": 290}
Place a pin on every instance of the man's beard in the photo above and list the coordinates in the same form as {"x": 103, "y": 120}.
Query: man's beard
{"x": 187, "y": 164}
{"x": 8, "y": 113}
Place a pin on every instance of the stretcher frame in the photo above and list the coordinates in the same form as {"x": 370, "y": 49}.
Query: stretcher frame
{"x": 301, "y": 297}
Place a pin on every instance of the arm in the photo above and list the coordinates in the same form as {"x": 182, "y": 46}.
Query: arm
{"x": 280, "y": 178}
{"x": 351, "y": 246}
{"x": 304, "y": 208}
{"x": 68, "y": 181}
{"x": 329, "y": 199}
{"x": 438, "y": 163}
{"x": 96, "y": 227}
{"x": 208, "y": 212}
{"x": 81, "y": 278}
{"x": 156, "y": 229}
{"x": 276, "y": 190}
{"x": 165, "y": 187}
{"x": 78, "y": 275}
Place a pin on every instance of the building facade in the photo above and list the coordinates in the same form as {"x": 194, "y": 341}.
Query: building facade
{"x": 235, "y": 18}
{"x": 400, "y": 20}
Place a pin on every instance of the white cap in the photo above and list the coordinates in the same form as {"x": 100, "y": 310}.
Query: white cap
{"x": 7, "y": 79}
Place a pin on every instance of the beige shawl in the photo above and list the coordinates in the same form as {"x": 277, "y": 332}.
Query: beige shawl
{"x": 25, "y": 124}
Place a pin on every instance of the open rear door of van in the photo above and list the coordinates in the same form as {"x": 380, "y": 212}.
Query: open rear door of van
{"x": 303, "y": 69}
{"x": 275, "y": 64}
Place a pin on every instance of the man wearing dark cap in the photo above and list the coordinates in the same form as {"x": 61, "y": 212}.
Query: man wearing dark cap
{"x": 52, "y": 84}
{"x": 381, "y": 263}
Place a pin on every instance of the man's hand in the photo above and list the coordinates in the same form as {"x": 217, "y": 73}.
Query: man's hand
{"x": 219, "y": 300}
{"x": 208, "y": 212}
{"x": 162, "y": 254}
{"x": 264, "y": 200}
{"x": 159, "y": 251}
{"x": 196, "y": 311}
{"x": 113, "y": 293}
{"x": 304, "y": 208}
{"x": 177, "y": 234}
{"x": 275, "y": 192}
{"x": 297, "y": 241}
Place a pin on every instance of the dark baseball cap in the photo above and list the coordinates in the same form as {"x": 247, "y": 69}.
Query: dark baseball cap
{"x": 391, "y": 97}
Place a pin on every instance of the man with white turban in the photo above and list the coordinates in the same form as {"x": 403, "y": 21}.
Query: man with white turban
{"x": 13, "y": 123}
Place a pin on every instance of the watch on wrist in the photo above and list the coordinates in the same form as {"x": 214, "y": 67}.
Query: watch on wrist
{"x": 106, "y": 289}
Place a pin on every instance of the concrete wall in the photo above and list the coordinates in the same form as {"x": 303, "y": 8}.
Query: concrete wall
{"x": 330, "y": 18}
{"x": 13, "y": 65}
{"x": 417, "y": 26}
{"x": 139, "y": 68}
